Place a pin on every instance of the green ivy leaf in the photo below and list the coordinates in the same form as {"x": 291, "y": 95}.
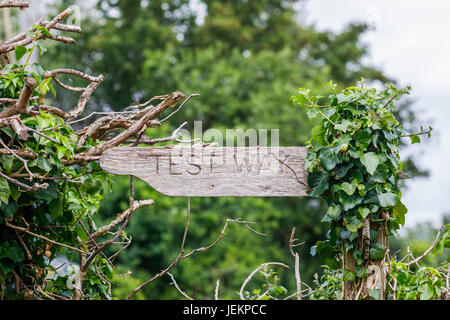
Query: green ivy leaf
{"x": 348, "y": 275}
{"x": 4, "y": 191}
{"x": 361, "y": 272}
{"x": 364, "y": 212}
{"x": 381, "y": 174}
{"x": 353, "y": 223}
{"x": 44, "y": 164}
{"x": 349, "y": 188}
{"x": 414, "y": 139}
{"x": 387, "y": 199}
{"x": 370, "y": 161}
{"x": 334, "y": 211}
{"x": 16, "y": 254}
{"x": 318, "y": 182}
{"x": 55, "y": 207}
{"x": 341, "y": 170}
{"x": 362, "y": 138}
{"x": 349, "y": 202}
{"x": 400, "y": 211}
{"x": 38, "y": 70}
{"x": 377, "y": 252}
{"x": 426, "y": 291}
{"x": 20, "y": 51}
{"x": 47, "y": 194}
{"x": 373, "y": 293}
{"x": 328, "y": 158}
{"x": 9, "y": 209}
{"x": 345, "y": 125}
{"x": 318, "y": 135}
{"x": 371, "y": 197}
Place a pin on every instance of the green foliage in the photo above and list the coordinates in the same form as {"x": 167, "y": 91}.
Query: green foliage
{"x": 328, "y": 286}
{"x": 58, "y": 212}
{"x": 424, "y": 283}
{"x": 353, "y": 162}
{"x": 245, "y": 61}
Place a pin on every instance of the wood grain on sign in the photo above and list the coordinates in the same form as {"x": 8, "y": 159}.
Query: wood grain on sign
{"x": 213, "y": 171}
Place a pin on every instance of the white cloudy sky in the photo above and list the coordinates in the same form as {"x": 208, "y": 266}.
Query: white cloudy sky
{"x": 410, "y": 43}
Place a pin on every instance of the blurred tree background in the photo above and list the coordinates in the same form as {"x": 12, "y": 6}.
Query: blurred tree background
{"x": 245, "y": 58}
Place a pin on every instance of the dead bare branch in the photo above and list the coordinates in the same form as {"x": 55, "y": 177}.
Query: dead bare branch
{"x": 14, "y": 4}
{"x": 170, "y": 101}
{"x": 262, "y": 266}
{"x": 21, "y": 105}
{"x": 25, "y": 187}
{"x": 120, "y": 217}
{"x": 177, "y": 287}
{"x": 416, "y": 260}
{"x": 62, "y": 27}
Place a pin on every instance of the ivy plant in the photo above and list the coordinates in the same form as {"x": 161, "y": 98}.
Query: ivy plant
{"x": 61, "y": 212}
{"x": 353, "y": 163}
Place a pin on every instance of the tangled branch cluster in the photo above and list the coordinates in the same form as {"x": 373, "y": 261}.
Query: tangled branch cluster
{"x": 50, "y": 181}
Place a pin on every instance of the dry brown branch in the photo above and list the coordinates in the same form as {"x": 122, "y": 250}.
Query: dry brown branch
{"x": 22, "y": 153}
{"x": 73, "y": 72}
{"x": 41, "y": 177}
{"x": 216, "y": 292}
{"x": 14, "y": 4}
{"x": 13, "y": 153}
{"x": 297, "y": 264}
{"x": 19, "y": 128}
{"x": 125, "y": 245}
{"x": 42, "y": 22}
{"x": 62, "y": 27}
{"x": 181, "y": 256}
{"x": 291, "y": 242}
{"x": 9, "y": 225}
{"x": 58, "y": 18}
{"x": 43, "y": 135}
{"x": 78, "y": 286}
{"x": 22, "y": 40}
{"x": 50, "y": 109}
{"x": 65, "y": 86}
{"x": 29, "y": 257}
{"x": 174, "y": 137}
{"x": 63, "y": 39}
{"x": 297, "y": 277}
{"x": 105, "y": 126}
{"x": 84, "y": 98}
{"x": 170, "y": 101}
{"x": 365, "y": 238}
{"x": 416, "y": 260}
{"x": 181, "y": 106}
{"x": 25, "y": 187}
{"x": 174, "y": 262}
{"x": 90, "y": 238}
{"x": 88, "y": 261}
{"x": 134, "y": 120}
{"x": 177, "y": 287}
{"x": 20, "y": 106}
{"x": 9, "y": 100}
{"x": 120, "y": 217}
{"x": 221, "y": 235}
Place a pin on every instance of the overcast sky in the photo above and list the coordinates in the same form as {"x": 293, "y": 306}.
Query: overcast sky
{"x": 410, "y": 43}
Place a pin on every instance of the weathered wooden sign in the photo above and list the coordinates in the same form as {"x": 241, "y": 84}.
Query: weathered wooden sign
{"x": 212, "y": 171}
